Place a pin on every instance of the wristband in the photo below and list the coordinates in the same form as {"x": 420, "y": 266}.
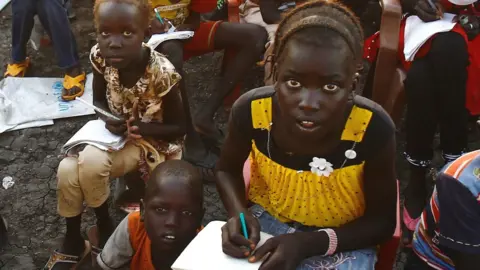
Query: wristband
{"x": 332, "y": 241}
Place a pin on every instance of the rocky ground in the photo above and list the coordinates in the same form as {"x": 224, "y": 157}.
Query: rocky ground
{"x": 31, "y": 156}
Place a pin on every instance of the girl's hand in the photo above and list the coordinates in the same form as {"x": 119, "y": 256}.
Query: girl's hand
{"x": 117, "y": 127}
{"x": 133, "y": 129}
{"x": 283, "y": 252}
{"x": 233, "y": 241}
{"x": 156, "y": 27}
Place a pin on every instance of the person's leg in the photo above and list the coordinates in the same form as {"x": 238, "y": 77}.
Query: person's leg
{"x": 421, "y": 123}
{"x": 70, "y": 205}
{"x": 194, "y": 149}
{"x": 449, "y": 58}
{"x": 23, "y": 12}
{"x": 95, "y": 169}
{"x": 53, "y": 15}
{"x": 249, "y": 41}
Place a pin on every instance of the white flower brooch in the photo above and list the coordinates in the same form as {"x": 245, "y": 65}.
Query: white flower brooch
{"x": 321, "y": 167}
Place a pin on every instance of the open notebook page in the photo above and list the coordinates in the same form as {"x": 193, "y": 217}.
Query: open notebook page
{"x": 205, "y": 252}
{"x": 94, "y": 131}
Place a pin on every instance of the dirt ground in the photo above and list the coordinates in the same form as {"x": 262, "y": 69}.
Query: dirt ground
{"x": 31, "y": 156}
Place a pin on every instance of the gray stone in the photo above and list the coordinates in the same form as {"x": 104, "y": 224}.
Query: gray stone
{"x": 43, "y": 172}
{"x": 6, "y": 157}
{"x": 6, "y": 141}
{"x": 32, "y": 145}
{"x": 19, "y": 143}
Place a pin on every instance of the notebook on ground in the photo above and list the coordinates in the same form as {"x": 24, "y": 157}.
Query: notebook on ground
{"x": 95, "y": 133}
{"x": 205, "y": 252}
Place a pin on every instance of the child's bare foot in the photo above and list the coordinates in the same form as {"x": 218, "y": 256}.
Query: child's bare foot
{"x": 74, "y": 83}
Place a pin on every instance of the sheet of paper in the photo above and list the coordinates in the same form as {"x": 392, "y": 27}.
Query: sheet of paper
{"x": 417, "y": 32}
{"x": 37, "y": 101}
{"x": 157, "y": 39}
{"x": 95, "y": 133}
{"x": 205, "y": 252}
{"x": 3, "y": 4}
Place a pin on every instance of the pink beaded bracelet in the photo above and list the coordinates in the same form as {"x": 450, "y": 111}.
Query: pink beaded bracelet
{"x": 332, "y": 241}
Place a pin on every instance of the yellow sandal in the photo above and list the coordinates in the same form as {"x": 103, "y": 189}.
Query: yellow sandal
{"x": 70, "y": 82}
{"x": 18, "y": 69}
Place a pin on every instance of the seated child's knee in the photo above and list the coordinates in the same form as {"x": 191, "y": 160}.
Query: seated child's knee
{"x": 67, "y": 169}
{"x": 448, "y": 47}
{"x": 258, "y": 38}
{"x": 93, "y": 159}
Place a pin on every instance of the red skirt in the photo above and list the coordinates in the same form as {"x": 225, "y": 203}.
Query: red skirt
{"x": 372, "y": 43}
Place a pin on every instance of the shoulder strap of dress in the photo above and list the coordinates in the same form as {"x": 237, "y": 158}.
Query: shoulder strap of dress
{"x": 261, "y": 110}
{"x": 357, "y": 124}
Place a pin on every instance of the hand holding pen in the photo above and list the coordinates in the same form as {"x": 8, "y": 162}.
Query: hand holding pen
{"x": 428, "y": 10}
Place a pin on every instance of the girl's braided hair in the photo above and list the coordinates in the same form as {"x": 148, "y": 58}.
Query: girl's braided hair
{"x": 144, "y": 7}
{"x": 329, "y": 15}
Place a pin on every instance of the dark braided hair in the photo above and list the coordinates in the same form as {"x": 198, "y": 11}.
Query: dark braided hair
{"x": 144, "y": 7}
{"x": 310, "y": 18}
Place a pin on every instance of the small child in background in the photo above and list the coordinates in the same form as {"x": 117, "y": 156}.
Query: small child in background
{"x": 139, "y": 86}
{"x": 246, "y": 39}
{"x": 169, "y": 219}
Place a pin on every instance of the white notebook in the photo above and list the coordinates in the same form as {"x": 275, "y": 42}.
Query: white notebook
{"x": 417, "y": 32}
{"x": 205, "y": 252}
{"x": 94, "y": 133}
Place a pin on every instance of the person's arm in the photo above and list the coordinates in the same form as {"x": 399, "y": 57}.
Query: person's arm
{"x": 174, "y": 120}
{"x": 118, "y": 251}
{"x": 270, "y": 12}
{"x": 378, "y": 223}
{"x": 229, "y": 170}
{"x": 230, "y": 182}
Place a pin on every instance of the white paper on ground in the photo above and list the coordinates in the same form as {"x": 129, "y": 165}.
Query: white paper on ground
{"x": 205, "y": 252}
{"x": 37, "y": 101}
{"x": 157, "y": 39}
{"x": 3, "y": 4}
{"x": 417, "y": 32}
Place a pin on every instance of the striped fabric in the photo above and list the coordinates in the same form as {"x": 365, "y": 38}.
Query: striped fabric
{"x": 451, "y": 220}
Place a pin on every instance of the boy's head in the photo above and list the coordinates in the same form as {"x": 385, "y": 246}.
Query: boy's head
{"x": 121, "y": 29}
{"x": 173, "y": 205}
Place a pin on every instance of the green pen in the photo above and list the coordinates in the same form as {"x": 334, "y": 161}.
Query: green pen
{"x": 244, "y": 225}
{"x": 158, "y": 15}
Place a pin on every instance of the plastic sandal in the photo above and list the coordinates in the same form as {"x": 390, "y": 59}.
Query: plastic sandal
{"x": 58, "y": 257}
{"x": 70, "y": 82}
{"x": 18, "y": 69}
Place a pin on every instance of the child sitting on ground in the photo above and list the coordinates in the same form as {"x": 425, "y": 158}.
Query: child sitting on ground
{"x": 248, "y": 41}
{"x": 170, "y": 217}
{"x": 133, "y": 82}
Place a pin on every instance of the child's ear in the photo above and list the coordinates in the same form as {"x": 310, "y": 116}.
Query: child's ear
{"x": 142, "y": 210}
